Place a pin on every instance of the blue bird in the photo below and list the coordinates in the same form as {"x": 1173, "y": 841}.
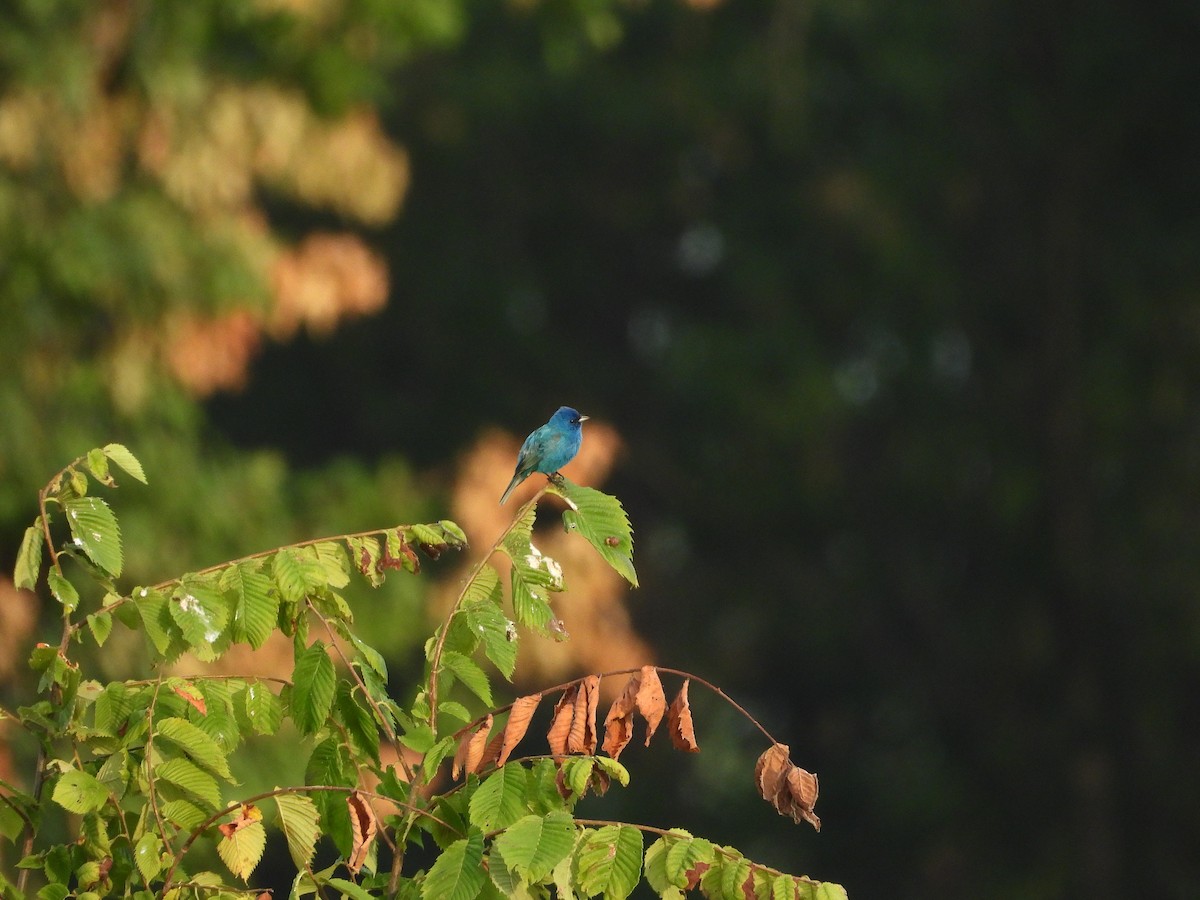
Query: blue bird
{"x": 549, "y": 448}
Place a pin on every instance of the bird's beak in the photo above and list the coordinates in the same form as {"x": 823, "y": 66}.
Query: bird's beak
{"x": 584, "y": 418}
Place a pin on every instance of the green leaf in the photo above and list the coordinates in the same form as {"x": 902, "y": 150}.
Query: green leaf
{"x": 456, "y": 536}
{"x": 64, "y": 592}
{"x": 112, "y": 708}
{"x": 533, "y": 845}
{"x": 183, "y": 814}
{"x": 614, "y": 769}
{"x": 827, "y": 890}
{"x": 602, "y": 521}
{"x": 198, "y": 745}
{"x": 458, "y": 872}
{"x": 500, "y": 800}
{"x": 610, "y": 861}
{"x": 242, "y": 850}
{"x": 358, "y": 721}
{"x": 468, "y": 672}
{"x": 365, "y": 556}
{"x": 120, "y": 454}
{"x": 94, "y": 529}
{"x": 577, "y": 773}
{"x": 334, "y": 565}
{"x": 255, "y": 607}
{"x": 29, "y": 558}
{"x": 498, "y": 634}
{"x": 186, "y": 775}
{"x": 156, "y": 619}
{"x": 350, "y": 889}
{"x": 200, "y": 611}
{"x": 372, "y": 657}
{"x": 100, "y": 624}
{"x": 727, "y": 875}
{"x": 262, "y": 708}
{"x": 313, "y": 685}
{"x": 147, "y": 855}
{"x": 293, "y": 574}
{"x": 97, "y": 464}
{"x": 79, "y": 792}
{"x": 530, "y": 605}
{"x": 298, "y": 818}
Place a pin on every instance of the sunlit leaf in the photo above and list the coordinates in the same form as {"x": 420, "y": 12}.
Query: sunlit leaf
{"x": 313, "y": 685}
{"x": 255, "y": 606}
{"x": 186, "y": 775}
{"x": 242, "y": 850}
{"x": 468, "y": 672}
{"x": 601, "y": 519}
{"x": 29, "y": 558}
{"x": 62, "y": 590}
{"x": 196, "y": 743}
{"x": 298, "y": 817}
{"x": 94, "y": 530}
{"x": 500, "y": 799}
{"x": 120, "y": 454}
{"x": 458, "y": 872}
{"x": 534, "y": 845}
{"x": 78, "y": 792}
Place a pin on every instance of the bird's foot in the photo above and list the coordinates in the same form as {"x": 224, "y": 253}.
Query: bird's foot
{"x": 556, "y": 477}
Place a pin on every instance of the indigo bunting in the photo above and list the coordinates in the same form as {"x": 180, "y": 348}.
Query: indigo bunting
{"x": 549, "y": 448}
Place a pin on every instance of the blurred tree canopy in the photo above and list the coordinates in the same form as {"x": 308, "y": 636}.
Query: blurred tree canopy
{"x": 894, "y": 306}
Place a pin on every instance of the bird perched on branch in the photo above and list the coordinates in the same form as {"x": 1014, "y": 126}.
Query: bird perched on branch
{"x": 549, "y": 448}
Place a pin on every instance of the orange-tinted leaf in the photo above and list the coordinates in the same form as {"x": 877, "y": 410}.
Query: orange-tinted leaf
{"x": 618, "y": 724}
{"x": 247, "y": 814}
{"x": 560, "y": 726}
{"x": 582, "y": 738}
{"x": 193, "y": 697}
{"x": 802, "y": 795}
{"x": 695, "y": 873}
{"x": 679, "y": 722}
{"x": 518, "y": 723}
{"x": 771, "y": 770}
{"x": 790, "y": 789}
{"x": 491, "y": 752}
{"x": 651, "y": 701}
{"x": 363, "y": 826}
{"x": 469, "y": 754}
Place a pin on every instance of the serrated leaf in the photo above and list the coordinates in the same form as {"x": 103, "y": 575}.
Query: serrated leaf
{"x": 500, "y": 799}
{"x": 200, "y": 612}
{"x": 78, "y": 792}
{"x": 183, "y": 814}
{"x": 196, "y": 743}
{"x": 97, "y": 464}
{"x": 189, "y": 777}
{"x": 64, "y": 592}
{"x": 147, "y": 855}
{"x": 827, "y": 890}
{"x": 372, "y": 657}
{"x": 610, "y": 861}
{"x": 498, "y": 634}
{"x": 298, "y": 817}
{"x": 242, "y": 850}
{"x": 313, "y": 685}
{"x": 156, "y": 619}
{"x": 29, "y": 558}
{"x": 468, "y": 672}
{"x": 533, "y": 845}
{"x": 120, "y": 454}
{"x": 335, "y": 567}
{"x": 294, "y": 574}
{"x": 358, "y": 721}
{"x": 255, "y": 607}
{"x": 262, "y": 708}
{"x": 601, "y": 519}
{"x": 100, "y": 624}
{"x": 365, "y": 556}
{"x": 530, "y": 605}
{"x": 458, "y": 872}
{"x": 95, "y": 531}
{"x": 614, "y": 769}
{"x": 682, "y": 857}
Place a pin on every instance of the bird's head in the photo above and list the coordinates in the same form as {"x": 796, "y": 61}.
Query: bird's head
{"x": 568, "y": 418}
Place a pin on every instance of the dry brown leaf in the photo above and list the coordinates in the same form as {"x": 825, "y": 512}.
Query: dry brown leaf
{"x": 492, "y": 752}
{"x": 560, "y": 726}
{"x": 582, "y": 738}
{"x": 248, "y": 814}
{"x": 651, "y": 701}
{"x": 679, "y": 722}
{"x": 618, "y": 724}
{"x": 469, "y": 754}
{"x": 518, "y": 723}
{"x": 363, "y": 826}
{"x": 787, "y": 787}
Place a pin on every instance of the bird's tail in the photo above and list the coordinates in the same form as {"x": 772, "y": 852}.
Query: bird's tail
{"x": 516, "y": 479}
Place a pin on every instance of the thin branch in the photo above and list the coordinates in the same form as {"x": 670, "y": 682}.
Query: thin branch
{"x": 151, "y": 795}
{"x": 298, "y": 789}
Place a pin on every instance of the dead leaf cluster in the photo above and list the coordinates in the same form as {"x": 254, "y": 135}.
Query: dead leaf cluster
{"x": 787, "y": 787}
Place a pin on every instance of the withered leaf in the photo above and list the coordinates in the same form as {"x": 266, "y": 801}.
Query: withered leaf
{"x": 679, "y": 722}
{"x": 470, "y": 749}
{"x": 618, "y": 724}
{"x": 582, "y": 738}
{"x": 363, "y": 827}
{"x": 651, "y": 701}
{"x": 787, "y": 787}
{"x": 518, "y": 723}
{"x": 193, "y": 697}
{"x": 560, "y": 725}
{"x": 247, "y": 814}
{"x": 491, "y": 752}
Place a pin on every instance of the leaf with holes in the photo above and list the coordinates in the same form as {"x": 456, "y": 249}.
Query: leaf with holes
{"x": 94, "y": 530}
{"x": 603, "y": 522}
{"x": 79, "y": 792}
{"x": 242, "y": 850}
